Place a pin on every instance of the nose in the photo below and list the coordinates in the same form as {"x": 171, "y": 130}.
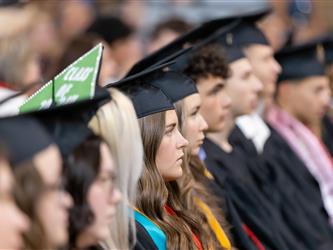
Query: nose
{"x": 22, "y": 220}
{"x": 257, "y": 84}
{"x": 67, "y": 200}
{"x": 203, "y": 123}
{"x": 181, "y": 142}
{"x": 276, "y": 66}
{"x": 326, "y": 98}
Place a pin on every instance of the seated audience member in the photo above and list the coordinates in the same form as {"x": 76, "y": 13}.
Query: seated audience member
{"x": 121, "y": 38}
{"x": 166, "y": 32}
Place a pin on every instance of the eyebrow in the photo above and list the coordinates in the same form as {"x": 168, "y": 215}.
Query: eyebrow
{"x": 218, "y": 86}
{"x": 247, "y": 73}
{"x": 174, "y": 124}
{"x": 195, "y": 108}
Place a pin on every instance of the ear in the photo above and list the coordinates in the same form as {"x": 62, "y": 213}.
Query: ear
{"x": 281, "y": 89}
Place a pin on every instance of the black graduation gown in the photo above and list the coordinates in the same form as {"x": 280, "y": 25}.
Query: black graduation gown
{"x": 239, "y": 237}
{"x": 299, "y": 196}
{"x": 143, "y": 240}
{"x": 253, "y": 208}
{"x": 289, "y": 187}
{"x": 238, "y": 140}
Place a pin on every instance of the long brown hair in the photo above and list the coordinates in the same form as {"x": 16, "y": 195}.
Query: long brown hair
{"x": 154, "y": 192}
{"x": 28, "y": 190}
{"x": 194, "y": 184}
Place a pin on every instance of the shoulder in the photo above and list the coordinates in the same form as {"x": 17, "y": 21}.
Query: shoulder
{"x": 144, "y": 241}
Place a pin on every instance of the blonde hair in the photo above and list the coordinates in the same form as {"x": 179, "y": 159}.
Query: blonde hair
{"x": 117, "y": 124}
{"x": 15, "y": 54}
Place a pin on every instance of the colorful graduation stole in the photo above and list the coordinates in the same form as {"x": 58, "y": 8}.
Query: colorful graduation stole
{"x": 154, "y": 231}
{"x": 196, "y": 239}
{"x": 214, "y": 225}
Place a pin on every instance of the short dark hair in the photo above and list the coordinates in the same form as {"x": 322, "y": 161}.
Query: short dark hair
{"x": 111, "y": 29}
{"x": 81, "y": 169}
{"x": 175, "y": 24}
{"x": 208, "y": 61}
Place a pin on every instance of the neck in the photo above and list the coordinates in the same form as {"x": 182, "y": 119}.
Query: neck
{"x": 285, "y": 107}
{"x": 221, "y": 138}
{"x": 84, "y": 241}
{"x": 314, "y": 126}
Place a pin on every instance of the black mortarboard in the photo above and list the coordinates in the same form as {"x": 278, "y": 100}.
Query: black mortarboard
{"x": 147, "y": 99}
{"x": 68, "y": 124}
{"x": 244, "y": 34}
{"x": 174, "y": 85}
{"x": 239, "y": 34}
{"x": 232, "y": 51}
{"x": 176, "y": 48}
{"x": 23, "y": 137}
{"x": 27, "y": 134}
{"x": 300, "y": 61}
{"x": 234, "y": 32}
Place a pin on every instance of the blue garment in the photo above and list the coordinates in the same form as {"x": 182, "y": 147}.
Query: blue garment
{"x": 156, "y": 233}
{"x": 202, "y": 154}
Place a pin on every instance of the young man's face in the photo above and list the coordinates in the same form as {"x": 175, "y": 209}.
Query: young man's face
{"x": 243, "y": 87}
{"x": 215, "y": 103}
{"x": 308, "y": 100}
{"x": 265, "y": 67}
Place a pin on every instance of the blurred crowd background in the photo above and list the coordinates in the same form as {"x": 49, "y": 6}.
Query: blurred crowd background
{"x": 51, "y": 34}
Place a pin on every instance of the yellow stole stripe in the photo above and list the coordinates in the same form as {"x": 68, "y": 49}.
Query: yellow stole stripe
{"x": 214, "y": 224}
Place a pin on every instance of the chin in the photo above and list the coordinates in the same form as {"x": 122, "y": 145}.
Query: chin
{"x": 174, "y": 175}
{"x": 195, "y": 151}
{"x": 220, "y": 128}
{"x": 103, "y": 233}
{"x": 60, "y": 240}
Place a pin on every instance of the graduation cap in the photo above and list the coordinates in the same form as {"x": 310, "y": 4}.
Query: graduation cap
{"x": 238, "y": 34}
{"x": 68, "y": 123}
{"x": 23, "y": 137}
{"x": 174, "y": 85}
{"x": 247, "y": 33}
{"x": 147, "y": 99}
{"x": 301, "y": 61}
{"x": 181, "y": 46}
{"x": 234, "y": 32}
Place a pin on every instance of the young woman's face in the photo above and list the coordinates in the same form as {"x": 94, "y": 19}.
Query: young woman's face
{"x": 13, "y": 223}
{"x": 171, "y": 150}
{"x": 103, "y": 197}
{"x": 53, "y": 206}
{"x": 194, "y": 124}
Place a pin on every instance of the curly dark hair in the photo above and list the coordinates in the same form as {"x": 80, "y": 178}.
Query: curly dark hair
{"x": 81, "y": 169}
{"x": 208, "y": 61}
